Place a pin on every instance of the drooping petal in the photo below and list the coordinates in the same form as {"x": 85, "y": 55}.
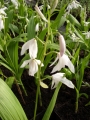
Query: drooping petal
{"x": 54, "y": 61}
{"x": 32, "y": 46}
{"x": 62, "y": 45}
{"x": 40, "y": 13}
{"x": 33, "y": 67}
{"x": 67, "y": 82}
{"x": 24, "y": 63}
{"x": 56, "y": 79}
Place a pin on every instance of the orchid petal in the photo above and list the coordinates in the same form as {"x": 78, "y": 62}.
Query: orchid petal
{"x": 32, "y": 46}
{"x": 56, "y": 79}
{"x": 62, "y": 45}
{"x": 24, "y": 63}
{"x": 33, "y": 49}
{"x": 33, "y": 67}
{"x": 54, "y": 61}
{"x": 67, "y": 82}
{"x": 59, "y": 77}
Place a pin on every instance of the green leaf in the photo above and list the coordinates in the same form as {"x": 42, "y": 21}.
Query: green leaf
{"x": 10, "y": 108}
{"x": 31, "y": 28}
{"x": 12, "y": 55}
{"x": 74, "y": 21}
{"x": 52, "y": 103}
{"x": 58, "y": 21}
{"x": 8, "y": 19}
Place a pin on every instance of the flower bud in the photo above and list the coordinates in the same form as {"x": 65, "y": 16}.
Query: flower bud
{"x": 62, "y": 45}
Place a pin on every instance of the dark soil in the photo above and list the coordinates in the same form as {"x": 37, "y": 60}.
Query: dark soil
{"x": 65, "y": 105}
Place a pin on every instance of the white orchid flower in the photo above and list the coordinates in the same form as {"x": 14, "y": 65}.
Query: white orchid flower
{"x": 59, "y": 77}
{"x": 33, "y": 65}
{"x": 62, "y": 58}
{"x": 15, "y": 3}
{"x": 62, "y": 62}
{"x": 40, "y": 13}
{"x": 32, "y": 46}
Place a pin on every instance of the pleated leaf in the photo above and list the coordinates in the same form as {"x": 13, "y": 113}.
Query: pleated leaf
{"x": 10, "y": 108}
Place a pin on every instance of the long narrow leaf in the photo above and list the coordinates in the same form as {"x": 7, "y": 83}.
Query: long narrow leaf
{"x": 51, "y": 104}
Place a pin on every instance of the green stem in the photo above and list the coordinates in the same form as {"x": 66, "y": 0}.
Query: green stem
{"x": 77, "y": 97}
{"x": 23, "y": 87}
{"x": 36, "y": 101}
{"x": 38, "y": 93}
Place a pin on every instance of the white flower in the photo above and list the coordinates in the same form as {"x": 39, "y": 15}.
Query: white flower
{"x": 15, "y": 3}
{"x": 73, "y": 5}
{"x": 62, "y": 61}
{"x": 59, "y": 77}
{"x": 32, "y": 46}
{"x": 40, "y": 13}
{"x": 62, "y": 45}
{"x": 33, "y": 65}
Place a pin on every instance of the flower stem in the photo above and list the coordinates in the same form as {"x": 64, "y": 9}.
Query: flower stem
{"x": 77, "y": 97}
{"x": 36, "y": 101}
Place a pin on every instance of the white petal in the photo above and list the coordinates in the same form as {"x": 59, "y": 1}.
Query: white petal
{"x": 1, "y": 24}
{"x": 24, "y": 63}
{"x": 59, "y": 77}
{"x": 66, "y": 61}
{"x": 56, "y": 79}
{"x": 62, "y": 45}
{"x": 54, "y": 61}
{"x": 40, "y": 13}
{"x": 67, "y": 82}
{"x": 33, "y": 49}
{"x": 30, "y": 45}
{"x": 33, "y": 67}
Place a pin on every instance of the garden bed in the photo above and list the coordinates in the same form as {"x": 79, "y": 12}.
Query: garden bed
{"x": 65, "y": 105}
